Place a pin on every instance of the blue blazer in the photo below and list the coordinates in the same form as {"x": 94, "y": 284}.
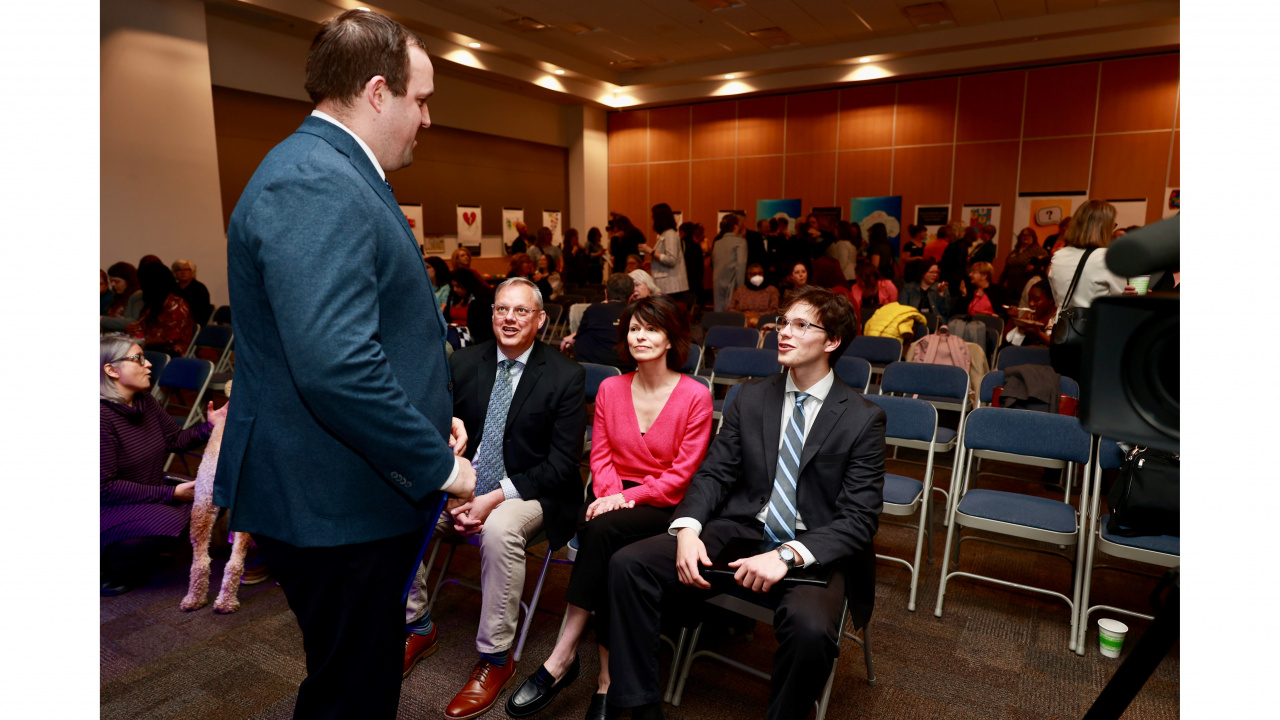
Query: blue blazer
{"x": 338, "y": 432}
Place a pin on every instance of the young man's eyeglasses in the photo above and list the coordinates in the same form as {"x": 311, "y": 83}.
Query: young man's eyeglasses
{"x": 798, "y": 327}
{"x": 140, "y": 359}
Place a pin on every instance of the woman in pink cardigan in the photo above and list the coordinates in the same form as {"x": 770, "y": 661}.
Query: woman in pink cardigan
{"x": 651, "y": 431}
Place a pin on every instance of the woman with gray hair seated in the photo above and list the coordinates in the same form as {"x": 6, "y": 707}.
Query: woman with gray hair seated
{"x": 140, "y": 516}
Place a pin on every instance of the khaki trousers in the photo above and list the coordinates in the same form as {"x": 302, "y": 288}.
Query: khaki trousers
{"x": 507, "y": 531}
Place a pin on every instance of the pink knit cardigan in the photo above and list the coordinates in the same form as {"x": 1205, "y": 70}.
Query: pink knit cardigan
{"x": 662, "y": 460}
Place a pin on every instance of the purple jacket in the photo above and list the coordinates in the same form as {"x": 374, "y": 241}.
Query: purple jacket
{"x": 133, "y": 444}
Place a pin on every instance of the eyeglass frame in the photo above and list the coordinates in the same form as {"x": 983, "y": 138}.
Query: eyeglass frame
{"x": 783, "y": 322}
{"x": 140, "y": 358}
{"x": 531, "y": 311}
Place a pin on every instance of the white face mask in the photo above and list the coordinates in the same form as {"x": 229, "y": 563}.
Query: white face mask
{"x": 756, "y": 280}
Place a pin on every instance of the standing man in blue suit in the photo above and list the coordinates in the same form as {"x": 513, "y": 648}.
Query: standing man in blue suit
{"x": 341, "y": 437}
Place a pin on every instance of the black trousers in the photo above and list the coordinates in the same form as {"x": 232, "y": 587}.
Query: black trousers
{"x": 135, "y": 559}
{"x": 598, "y": 540}
{"x": 349, "y": 603}
{"x": 807, "y": 623}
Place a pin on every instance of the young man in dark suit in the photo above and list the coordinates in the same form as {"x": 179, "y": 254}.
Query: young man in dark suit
{"x": 522, "y": 404}
{"x": 341, "y": 439}
{"x": 799, "y": 463}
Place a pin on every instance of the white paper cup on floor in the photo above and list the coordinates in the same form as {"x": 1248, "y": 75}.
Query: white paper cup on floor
{"x": 1111, "y": 636}
{"x": 1140, "y": 283}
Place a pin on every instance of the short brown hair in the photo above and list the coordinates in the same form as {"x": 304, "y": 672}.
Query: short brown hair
{"x": 835, "y": 313}
{"x": 354, "y": 47}
{"x": 1091, "y": 225}
{"x": 661, "y": 312}
{"x": 985, "y": 268}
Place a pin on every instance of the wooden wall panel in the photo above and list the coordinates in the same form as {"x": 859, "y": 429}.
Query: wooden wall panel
{"x": 629, "y": 192}
{"x": 760, "y": 123}
{"x": 669, "y": 134}
{"x": 628, "y": 137}
{"x": 758, "y": 178}
{"x": 1138, "y": 94}
{"x": 922, "y": 176}
{"x": 1131, "y": 166}
{"x": 862, "y": 173}
{"x": 711, "y": 191}
{"x": 669, "y": 183}
{"x": 866, "y": 117}
{"x": 1057, "y": 165}
{"x": 1061, "y": 100}
{"x": 811, "y": 122}
{"x": 991, "y": 106}
{"x": 987, "y": 173}
{"x": 715, "y": 128}
{"x": 1175, "y": 173}
{"x": 812, "y": 178}
{"x": 926, "y": 112}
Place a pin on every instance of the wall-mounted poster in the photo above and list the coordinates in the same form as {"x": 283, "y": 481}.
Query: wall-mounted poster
{"x": 871, "y": 210}
{"x": 469, "y": 227}
{"x": 510, "y": 216}
{"x": 551, "y": 219}
{"x": 432, "y": 244}
{"x": 982, "y": 214}
{"x": 829, "y": 217}
{"x": 1043, "y": 211}
{"x": 932, "y": 217}
{"x": 1172, "y": 202}
{"x": 1130, "y": 212}
{"x": 413, "y": 214}
{"x": 714, "y": 231}
{"x": 679, "y": 215}
{"x": 783, "y": 210}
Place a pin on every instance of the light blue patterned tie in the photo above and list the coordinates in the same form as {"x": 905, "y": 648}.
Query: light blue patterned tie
{"x": 489, "y": 465}
{"x": 780, "y": 522}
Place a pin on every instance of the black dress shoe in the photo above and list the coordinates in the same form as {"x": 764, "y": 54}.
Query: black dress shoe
{"x": 112, "y": 588}
{"x": 598, "y": 709}
{"x": 538, "y": 690}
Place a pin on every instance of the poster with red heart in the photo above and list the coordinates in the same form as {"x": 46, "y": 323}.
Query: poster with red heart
{"x": 469, "y": 226}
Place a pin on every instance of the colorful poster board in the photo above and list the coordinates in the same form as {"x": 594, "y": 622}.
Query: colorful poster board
{"x": 982, "y": 214}
{"x": 510, "y": 216}
{"x": 871, "y": 210}
{"x": 932, "y": 217}
{"x": 551, "y": 219}
{"x": 1043, "y": 211}
{"x": 788, "y": 210}
{"x": 469, "y": 226}
{"x": 1172, "y": 202}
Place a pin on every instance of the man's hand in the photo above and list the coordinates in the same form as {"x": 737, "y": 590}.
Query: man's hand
{"x": 469, "y": 517}
{"x": 760, "y": 572}
{"x": 464, "y": 485}
{"x": 219, "y": 415}
{"x": 567, "y": 342}
{"x": 690, "y": 550}
{"x": 603, "y": 505}
{"x": 458, "y": 437}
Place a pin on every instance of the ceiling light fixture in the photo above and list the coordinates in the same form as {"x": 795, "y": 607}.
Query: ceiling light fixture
{"x": 864, "y": 60}
{"x": 559, "y": 72}
{"x": 730, "y": 76}
{"x": 474, "y": 45}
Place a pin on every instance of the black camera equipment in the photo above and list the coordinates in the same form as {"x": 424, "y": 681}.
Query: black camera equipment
{"x": 1129, "y": 392}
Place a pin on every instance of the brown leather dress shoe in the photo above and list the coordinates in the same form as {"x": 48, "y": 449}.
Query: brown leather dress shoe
{"x": 417, "y": 647}
{"x": 482, "y": 690}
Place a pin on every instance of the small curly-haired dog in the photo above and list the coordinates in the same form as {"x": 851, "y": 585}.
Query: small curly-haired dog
{"x": 203, "y": 516}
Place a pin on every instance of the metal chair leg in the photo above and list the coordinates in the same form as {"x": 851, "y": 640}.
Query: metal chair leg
{"x": 688, "y": 663}
{"x": 533, "y": 606}
{"x": 675, "y": 665}
{"x": 448, "y": 559}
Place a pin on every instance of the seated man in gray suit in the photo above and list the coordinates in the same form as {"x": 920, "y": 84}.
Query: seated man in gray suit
{"x": 522, "y": 404}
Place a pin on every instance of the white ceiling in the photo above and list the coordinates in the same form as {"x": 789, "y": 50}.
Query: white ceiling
{"x": 644, "y": 52}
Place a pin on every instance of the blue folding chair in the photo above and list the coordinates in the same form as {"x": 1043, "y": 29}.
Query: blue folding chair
{"x": 723, "y": 319}
{"x": 910, "y": 423}
{"x": 769, "y": 341}
{"x": 1160, "y": 550}
{"x": 721, "y": 407}
{"x": 726, "y": 337}
{"x": 191, "y": 375}
{"x": 995, "y": 379}
{"x": 879, "y": 351}
{"x": 1029, "y": 438}
{"x": 703, "y": 381}
{"x": 596, "y": 374}
{"x": 693, "y": 363}
{"x": 221, "y": 315}
{"x": 220, "y": 339}
{"x": 945, "y": 387}
{"x": 1019, "y": 355}
{"x": 735, "y": 365}
{"x": 854, "y": 372}
{"x": 158, "y": 362}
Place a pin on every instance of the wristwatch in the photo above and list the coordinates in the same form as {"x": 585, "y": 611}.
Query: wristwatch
{"x": 788, "y": 557}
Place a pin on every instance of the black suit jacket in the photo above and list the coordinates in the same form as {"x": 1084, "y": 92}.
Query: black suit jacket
{"x": 545, "y": 423}
{"x": 839, "y": 493}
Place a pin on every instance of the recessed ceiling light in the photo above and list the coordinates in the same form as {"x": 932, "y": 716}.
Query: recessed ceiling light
{"x": 730, "y": 76}
{"x": 864, "y": 60}
{"x": 474, "y": 45}
{"x": 559, "y": 72}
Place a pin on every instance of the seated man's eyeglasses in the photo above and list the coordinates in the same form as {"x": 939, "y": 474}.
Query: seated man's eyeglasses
{"x": 521, "y": 312}
{"x": 798, "y": 327}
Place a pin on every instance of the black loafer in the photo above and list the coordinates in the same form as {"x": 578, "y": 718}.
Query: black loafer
{"x": 538, "y": 690}
{"x": 112, "y": 588}
{"x": 598, "y": 709}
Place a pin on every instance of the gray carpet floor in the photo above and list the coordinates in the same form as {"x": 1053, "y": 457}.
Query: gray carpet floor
{"x": 995, "y": 653}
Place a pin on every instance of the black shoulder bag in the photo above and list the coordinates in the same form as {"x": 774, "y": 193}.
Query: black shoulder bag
{"x": 1066, "y": 340}
{"x": 1144, "y": 499}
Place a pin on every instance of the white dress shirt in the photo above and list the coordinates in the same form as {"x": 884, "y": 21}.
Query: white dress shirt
{"x": 812, "y": 406}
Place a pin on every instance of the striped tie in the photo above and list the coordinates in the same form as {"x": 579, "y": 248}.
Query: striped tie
{"x": 780, "y": 523}
{"x": 489, "y": 463}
